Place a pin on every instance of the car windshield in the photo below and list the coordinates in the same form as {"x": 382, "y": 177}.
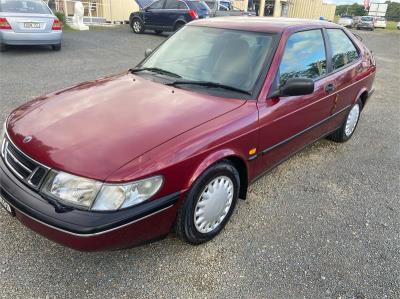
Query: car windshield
{"x": 228, "y": 57}
{"x": 367, "y": 19}
{"x": 22, "y": 6}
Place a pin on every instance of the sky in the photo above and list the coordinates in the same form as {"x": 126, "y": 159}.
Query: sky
{"x": 340, "y": 2}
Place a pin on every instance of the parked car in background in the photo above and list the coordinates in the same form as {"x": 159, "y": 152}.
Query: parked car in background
{"x": 167, "y": 15}
{"x": 177, "y": 140}
{"x": 28, "y": 22}
{"x": 346, "y": 21}
{"x": 380, "y": 22}
{"x": 356, "y": 21}
{"x": 366, "y": 22}
{"x": 220, "y": 8}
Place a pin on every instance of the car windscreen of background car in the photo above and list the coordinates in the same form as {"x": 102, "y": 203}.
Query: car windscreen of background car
{"x": 230, "y": 57}
{"x": 20, "y": 6}
{"x": 367, "y": 19}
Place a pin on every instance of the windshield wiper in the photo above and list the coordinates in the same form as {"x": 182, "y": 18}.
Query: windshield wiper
{"x": 209, "y": 84}
{"x": 155, "y": 70}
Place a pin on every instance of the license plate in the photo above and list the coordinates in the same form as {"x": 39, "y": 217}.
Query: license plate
{"x": 32, "y": 25}
{"x": 7, "y": 206}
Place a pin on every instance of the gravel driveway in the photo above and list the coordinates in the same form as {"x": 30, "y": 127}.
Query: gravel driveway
{"x": 324, "y": 224}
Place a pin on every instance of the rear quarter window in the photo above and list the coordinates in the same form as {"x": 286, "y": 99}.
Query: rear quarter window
{"x": 343, "y": 50}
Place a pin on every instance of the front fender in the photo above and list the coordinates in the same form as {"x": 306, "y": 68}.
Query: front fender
{"x": 210, "y": 160}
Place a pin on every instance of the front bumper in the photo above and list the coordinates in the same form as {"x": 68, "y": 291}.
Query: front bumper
{"x": 10, "y": 37}
{"x": 86, "y": 230}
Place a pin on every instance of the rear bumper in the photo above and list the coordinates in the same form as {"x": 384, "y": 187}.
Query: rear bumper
{"x": 10, "y": 37}
{"x": 85, "y": 230}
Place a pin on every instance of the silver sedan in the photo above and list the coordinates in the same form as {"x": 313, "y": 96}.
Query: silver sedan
{"x": 28, "y": 22}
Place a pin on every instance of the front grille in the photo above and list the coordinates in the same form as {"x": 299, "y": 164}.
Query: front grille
{"x": 27, "y": 170}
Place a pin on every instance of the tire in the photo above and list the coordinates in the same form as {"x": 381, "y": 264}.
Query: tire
{"x": 346, "y": 131}
{"x": 137, "y": 26}
{"x": 158, "y": 31}
{"x": 213, "y": 184}
{"x": 178, "y": 26}
{"x": 3, "y": 47}
{"x": 56, "y": 47}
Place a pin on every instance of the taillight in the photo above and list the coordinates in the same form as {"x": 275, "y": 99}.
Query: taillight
{"x": 56, "y": 25}
{"x": 193, "y": 14}
{"x": 4, "y": 24}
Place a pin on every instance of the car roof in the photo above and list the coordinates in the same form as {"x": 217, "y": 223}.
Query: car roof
{"x": 262, "y": 24}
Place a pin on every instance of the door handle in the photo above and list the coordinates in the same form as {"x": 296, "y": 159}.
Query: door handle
{"x": 330, "y": 88}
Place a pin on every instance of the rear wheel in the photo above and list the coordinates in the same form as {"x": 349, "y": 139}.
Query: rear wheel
{"x": 56, "y": 47}
{"x": 179, "y": 25}
{"x": 3, "y": 47}
{"x": 137, "y": 26}
{"x": 345, "y": 132}
{"x": 209, "y": 204}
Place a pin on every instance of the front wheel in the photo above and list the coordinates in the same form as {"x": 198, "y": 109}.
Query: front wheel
{"x": 137, "y": 26}
{"x": 348, "y": 127}
{"x": 209, "y": 204}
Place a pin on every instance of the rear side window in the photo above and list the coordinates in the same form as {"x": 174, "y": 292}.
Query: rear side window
{"x": 197, "y": 5}
{"x": 304, "y": 56}
{"x": 157, "y": 5}
{"x": 172, "y": 4}
{"x": 343, "y": 50}
{"x": 21, "y": 6}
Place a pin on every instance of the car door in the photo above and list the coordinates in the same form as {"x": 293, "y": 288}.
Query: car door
{"x": 172, "y": 12}
{"x": 287, "y": 124}
{"x": 153, "y": 14}
{"x": 347, "y": 69}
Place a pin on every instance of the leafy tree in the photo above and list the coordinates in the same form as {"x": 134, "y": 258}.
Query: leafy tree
{"x": 351, "y": 10}
{"x": 393, "y": 11}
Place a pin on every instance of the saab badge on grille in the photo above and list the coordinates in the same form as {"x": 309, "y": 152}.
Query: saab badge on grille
{"x": 27, "y": 139}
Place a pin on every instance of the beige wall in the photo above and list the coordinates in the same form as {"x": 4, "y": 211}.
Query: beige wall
{"x": 119, "y": 10}
{"x": 311, "y": 9}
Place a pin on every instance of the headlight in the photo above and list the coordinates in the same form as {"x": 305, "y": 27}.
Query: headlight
{"x": 71, "y": 189}
{"x": 93, "y": 195}
{"x": 114, "y": 197}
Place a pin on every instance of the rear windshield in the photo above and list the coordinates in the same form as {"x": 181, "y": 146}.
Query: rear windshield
{"x": 198, "y": 5}
{"x": 368, "y": 19}
{"x": 24, "y": 6}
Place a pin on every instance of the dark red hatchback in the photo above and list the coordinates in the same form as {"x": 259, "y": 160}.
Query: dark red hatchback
{"x": 177, "y": 140}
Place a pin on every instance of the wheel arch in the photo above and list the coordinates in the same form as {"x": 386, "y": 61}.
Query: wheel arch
{"x": 363, "y": 96}
{"x": 179, "y": 21}
{"x": 225, "y": 155}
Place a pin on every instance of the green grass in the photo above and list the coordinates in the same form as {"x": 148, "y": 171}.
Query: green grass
{"x": 391, "y": 25}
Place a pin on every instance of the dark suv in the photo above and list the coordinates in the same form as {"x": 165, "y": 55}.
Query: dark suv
{"x": 167, "y": 15}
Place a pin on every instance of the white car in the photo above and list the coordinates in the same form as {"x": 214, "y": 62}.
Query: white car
{"x": 346, "y": 21}
{"x": 398, "y": 25}
{"x": 380, "y": 23}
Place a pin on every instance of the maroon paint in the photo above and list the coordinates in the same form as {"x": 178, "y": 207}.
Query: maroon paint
{"x": 124, "y": 128}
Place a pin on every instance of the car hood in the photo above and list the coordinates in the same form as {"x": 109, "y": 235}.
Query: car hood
{"x": 96, "y": 127}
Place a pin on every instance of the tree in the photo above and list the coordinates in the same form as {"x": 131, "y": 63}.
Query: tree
{"x": 351, "y": 10}
{"x": 393, "y": 11}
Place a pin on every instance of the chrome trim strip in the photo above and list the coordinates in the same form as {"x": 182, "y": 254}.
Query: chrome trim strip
{"x": 16, "y": 147}
{"x": 14, "y": 171}
{"x": 94, "y": 234}
{"x": 17, "y": 161}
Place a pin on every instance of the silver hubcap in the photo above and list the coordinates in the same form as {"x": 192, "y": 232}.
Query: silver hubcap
{"x": 352, "y": 119}
{"x": 213, "y": 204}
{"x": 136, "y": 26}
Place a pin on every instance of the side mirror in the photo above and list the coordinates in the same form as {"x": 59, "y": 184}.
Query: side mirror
{"x": 295, "y": 87}
{"x": 148, "y": 52}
